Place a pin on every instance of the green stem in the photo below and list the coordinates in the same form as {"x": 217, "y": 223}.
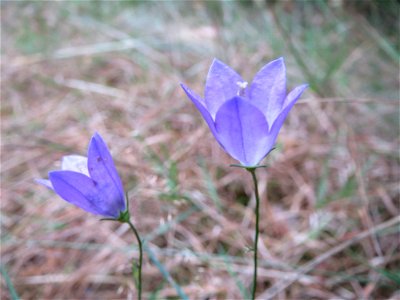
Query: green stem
{"x": 253, "y": 175}
{"x": 140, "y": 258}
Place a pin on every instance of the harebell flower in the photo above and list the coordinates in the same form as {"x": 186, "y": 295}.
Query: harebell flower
{"x": 93, "y": 184}
{"x": 245, "y": 118}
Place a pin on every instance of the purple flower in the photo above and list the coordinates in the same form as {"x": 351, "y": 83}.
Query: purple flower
{"x": 246, "y": 119}
{"x": 90, "y": 183}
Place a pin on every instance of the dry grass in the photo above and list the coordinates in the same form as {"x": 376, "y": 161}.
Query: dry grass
{"x": 330, "y": 197}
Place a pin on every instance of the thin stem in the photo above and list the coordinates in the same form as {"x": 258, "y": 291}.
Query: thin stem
{"x": 140, "y": 258}
{"x": 255, "y": 258}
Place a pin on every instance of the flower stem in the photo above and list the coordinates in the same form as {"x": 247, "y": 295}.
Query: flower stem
{"x": 255, "y": 248}
{"x": 139, "y": 285}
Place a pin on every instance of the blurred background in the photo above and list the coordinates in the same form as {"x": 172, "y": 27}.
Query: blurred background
{"x": 330, "y": 196}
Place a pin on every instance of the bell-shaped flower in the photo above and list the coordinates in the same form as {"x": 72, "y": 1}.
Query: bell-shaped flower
{"x": 246, "y": 119}
{"x": 91, "y": 183}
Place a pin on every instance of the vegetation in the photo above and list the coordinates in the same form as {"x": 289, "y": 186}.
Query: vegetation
{"x": 329, "y": 198}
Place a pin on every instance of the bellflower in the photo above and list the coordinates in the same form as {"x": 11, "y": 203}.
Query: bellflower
{"x": 91, "y": 183}
{"x": 246, "y": 119}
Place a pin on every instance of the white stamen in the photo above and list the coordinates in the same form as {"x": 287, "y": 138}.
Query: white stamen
{"x": 242, "y": 86}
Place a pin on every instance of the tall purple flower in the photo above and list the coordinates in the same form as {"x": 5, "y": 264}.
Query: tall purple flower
{"x": 246, "y": 119}
{"x": 90, "y": 183}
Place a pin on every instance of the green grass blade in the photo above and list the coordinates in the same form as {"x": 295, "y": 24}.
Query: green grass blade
{"x": 164, "y": 272}
{"x": 13, "y": 292}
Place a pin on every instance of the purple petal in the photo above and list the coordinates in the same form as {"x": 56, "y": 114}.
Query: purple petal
{"x": 221, "y": 85}
{"x": 197, "y": 101}
{"x": 82, "y": 191}
{"x": 291, "y": 99}
{"x": 294, "y": 95}
{"x": 243, "y": 131}
{"x": 45, "y": 182}
{"x": 268, "y": 89}
{"x": 103, "y": 172}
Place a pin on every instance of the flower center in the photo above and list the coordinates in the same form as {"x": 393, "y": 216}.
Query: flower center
{"x": 242, "y": 87}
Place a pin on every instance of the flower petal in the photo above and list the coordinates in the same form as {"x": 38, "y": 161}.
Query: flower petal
{"x": 294, "y": 95}
{"x": 291, "y": 99}
{"x": 81, "y": 191}
{"x": 221, "y": 85}
{"x": 243, "y": 131}
{"x": 197, "y": 101}
{"x": 102, "y": 170}
{"x": 268, "y": 89}
{"x": 45, "y": 182}
{"x": 77, "y": 163}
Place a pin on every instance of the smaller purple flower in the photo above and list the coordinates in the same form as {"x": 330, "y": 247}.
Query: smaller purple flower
{"x": 90, "y": 183}
{"x": 246, "y": 119}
